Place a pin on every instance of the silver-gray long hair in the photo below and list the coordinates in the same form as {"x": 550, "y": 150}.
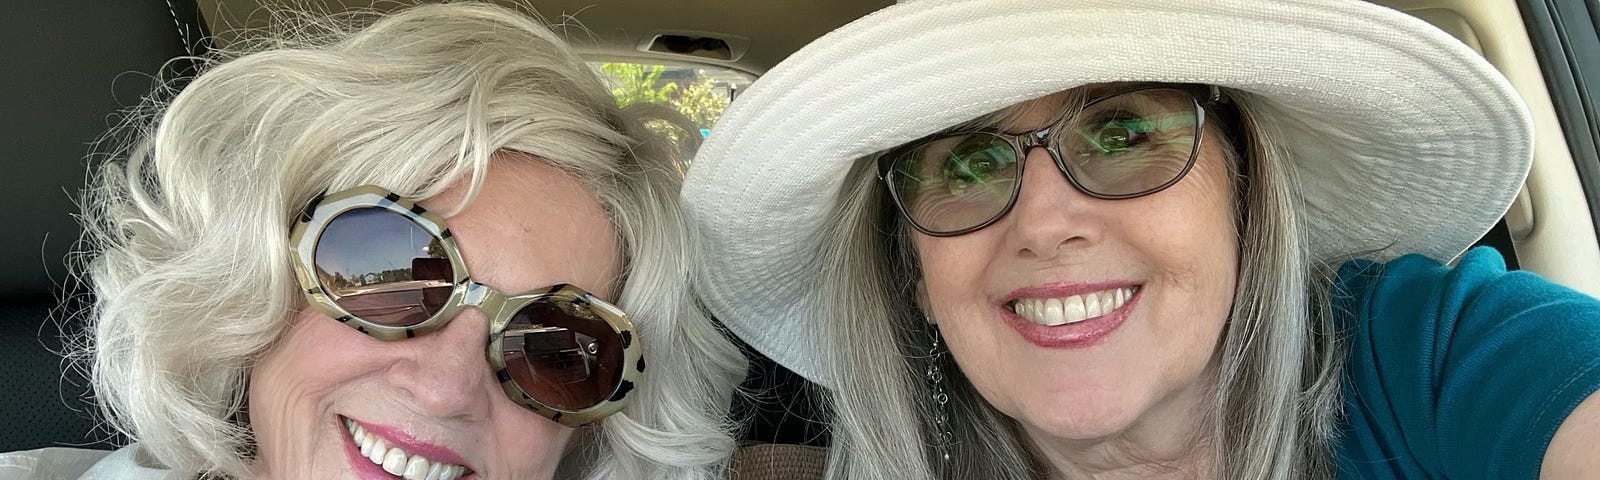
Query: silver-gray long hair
{"x": 1277, "y": 398}
{"x": 189, "y": 220}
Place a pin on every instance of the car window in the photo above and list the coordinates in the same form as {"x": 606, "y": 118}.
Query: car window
{"x": 1568, "y": 46}
{"x": 696, "y": 93}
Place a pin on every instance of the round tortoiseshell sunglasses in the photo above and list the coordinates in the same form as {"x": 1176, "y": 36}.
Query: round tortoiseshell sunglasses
{"x": 389, "y": 268}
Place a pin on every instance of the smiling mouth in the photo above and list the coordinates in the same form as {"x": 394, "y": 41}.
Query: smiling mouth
{"x": 1052, "y": 312}
{"x": 397, "y": 461}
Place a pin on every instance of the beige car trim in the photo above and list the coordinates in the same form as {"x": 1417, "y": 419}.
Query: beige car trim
{"x": 1550, "y": 221}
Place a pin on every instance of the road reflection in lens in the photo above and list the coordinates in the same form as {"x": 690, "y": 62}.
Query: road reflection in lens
{"x": 563, "y": 360}
{"x": 381, "y": 266}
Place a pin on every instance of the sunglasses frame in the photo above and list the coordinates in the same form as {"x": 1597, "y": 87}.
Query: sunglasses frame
{"x": 1022, "y": 143}
{"x": 498, "y": 307}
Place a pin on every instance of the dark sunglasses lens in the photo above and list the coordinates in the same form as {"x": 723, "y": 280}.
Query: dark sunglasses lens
{"x": 1133, "y": 143}
{"x": 954, "y": 183}
{"x": 382, "y": 267}
{"x": 562, "y": 357}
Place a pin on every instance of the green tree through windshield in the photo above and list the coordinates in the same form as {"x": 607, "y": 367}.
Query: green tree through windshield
{"x": 698, "y": 97}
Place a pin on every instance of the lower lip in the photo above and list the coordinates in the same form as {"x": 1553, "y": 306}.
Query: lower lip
{"x": 1082, "y": 334}
{"x": 359, "y": 463}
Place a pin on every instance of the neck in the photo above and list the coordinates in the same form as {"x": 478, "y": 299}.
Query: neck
{"x": 1172, "y": 440}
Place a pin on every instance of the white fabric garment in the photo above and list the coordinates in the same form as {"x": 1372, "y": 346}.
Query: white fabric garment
{"x": 56, "y": 463}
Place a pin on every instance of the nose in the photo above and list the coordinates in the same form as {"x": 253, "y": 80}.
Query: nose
{"x": 445, "y": 372}
{"x": 1051, "y": 215}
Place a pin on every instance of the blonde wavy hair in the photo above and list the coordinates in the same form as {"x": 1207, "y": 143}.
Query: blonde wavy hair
{"x": 187, "y": 224}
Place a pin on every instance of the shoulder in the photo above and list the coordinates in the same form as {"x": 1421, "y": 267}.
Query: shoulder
{"x": 1415, "y": 289}
{"x": 127, "y": 463}
{"x": 48, "y": 463}
{"x": 1416, "y": 273}
{"x": 1459, "y": 372}
{"x": 131, "y": 462}
{"x": 1428, "y": 323}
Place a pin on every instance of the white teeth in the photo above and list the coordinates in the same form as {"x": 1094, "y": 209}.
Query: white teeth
{"x": 396, "y": 461}
{"x": 375, "y": 453}
{"x": 1052, "y": 311}
{"x": 416, "y": 468}
{"x": 1073, "y": 309}
{"x": 448, "y": 472}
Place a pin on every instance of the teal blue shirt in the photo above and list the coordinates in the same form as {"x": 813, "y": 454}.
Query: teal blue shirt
{"x": 1459, "y": 373}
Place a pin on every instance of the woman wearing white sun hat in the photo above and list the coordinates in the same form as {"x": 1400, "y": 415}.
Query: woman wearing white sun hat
{"x": 1134, "y": 239}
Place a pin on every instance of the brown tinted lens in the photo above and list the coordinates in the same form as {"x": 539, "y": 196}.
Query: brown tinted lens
{"x": 560, "y": 358}
{"x": 1132, "y": 143}
{"x": 957, "y": 182}
{"x": 382, "y": 267}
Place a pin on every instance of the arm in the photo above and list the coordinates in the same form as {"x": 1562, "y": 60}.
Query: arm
{"x": 1471, "y": 372}
{"x": 1573, "y": 453}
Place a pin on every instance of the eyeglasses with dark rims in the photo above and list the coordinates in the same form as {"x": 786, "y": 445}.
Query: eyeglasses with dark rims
{"x": 1130, "y": 142}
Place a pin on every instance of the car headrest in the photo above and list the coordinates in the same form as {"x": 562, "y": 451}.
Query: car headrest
{"x": 70, "y": 67}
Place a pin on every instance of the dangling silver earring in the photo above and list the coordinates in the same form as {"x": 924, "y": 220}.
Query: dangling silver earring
{"x": 943, "y": 438}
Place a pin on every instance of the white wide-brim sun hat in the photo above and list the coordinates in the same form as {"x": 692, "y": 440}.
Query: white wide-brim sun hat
{"x": 1404, "y": 140}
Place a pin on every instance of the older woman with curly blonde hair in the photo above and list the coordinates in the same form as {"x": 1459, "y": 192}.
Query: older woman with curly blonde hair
{"x": 432, "y": 247}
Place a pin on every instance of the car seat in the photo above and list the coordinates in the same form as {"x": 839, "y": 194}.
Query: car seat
{"x": 71, "y": 66}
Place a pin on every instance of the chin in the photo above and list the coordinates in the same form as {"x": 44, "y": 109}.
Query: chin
{"x": 1069, "y": 423}
{"x": 1083, "y": 412}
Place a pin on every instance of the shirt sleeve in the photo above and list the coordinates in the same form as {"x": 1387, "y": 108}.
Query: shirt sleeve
{"x": 52, "y": 463}
{"x": 1463, "y": 372}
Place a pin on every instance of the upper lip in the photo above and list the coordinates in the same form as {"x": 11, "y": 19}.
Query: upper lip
{"x": 1064, "y": 289}
{"x": 398, "y": 437}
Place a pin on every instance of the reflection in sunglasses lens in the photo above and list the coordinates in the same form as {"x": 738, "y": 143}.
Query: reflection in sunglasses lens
{"x": 382, "y": 267}
{"x": 560, "y": 357}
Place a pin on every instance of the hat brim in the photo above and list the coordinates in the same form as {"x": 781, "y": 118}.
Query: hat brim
{"x": 1403, "y": 139}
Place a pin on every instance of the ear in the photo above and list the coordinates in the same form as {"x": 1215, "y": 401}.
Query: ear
{"x": 923, "y": 303}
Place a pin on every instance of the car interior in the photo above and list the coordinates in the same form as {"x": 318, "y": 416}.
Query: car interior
{"x": 76, "y": 66}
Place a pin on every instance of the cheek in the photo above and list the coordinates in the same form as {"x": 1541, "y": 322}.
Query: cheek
{"x": 1188, "y": 232}
{"x": 526, "y": 445}
{"x": 953, "y": 271}
{"x": 1196, "y": 216}
{"x": 1196, "y": 247}
{"x": 290, "y": 392}
{"x": 953, "y": 276}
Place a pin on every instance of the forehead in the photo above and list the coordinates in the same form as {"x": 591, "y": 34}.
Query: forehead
{"x": 1038, "y": 112}
{"x": 532, "y": 225}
